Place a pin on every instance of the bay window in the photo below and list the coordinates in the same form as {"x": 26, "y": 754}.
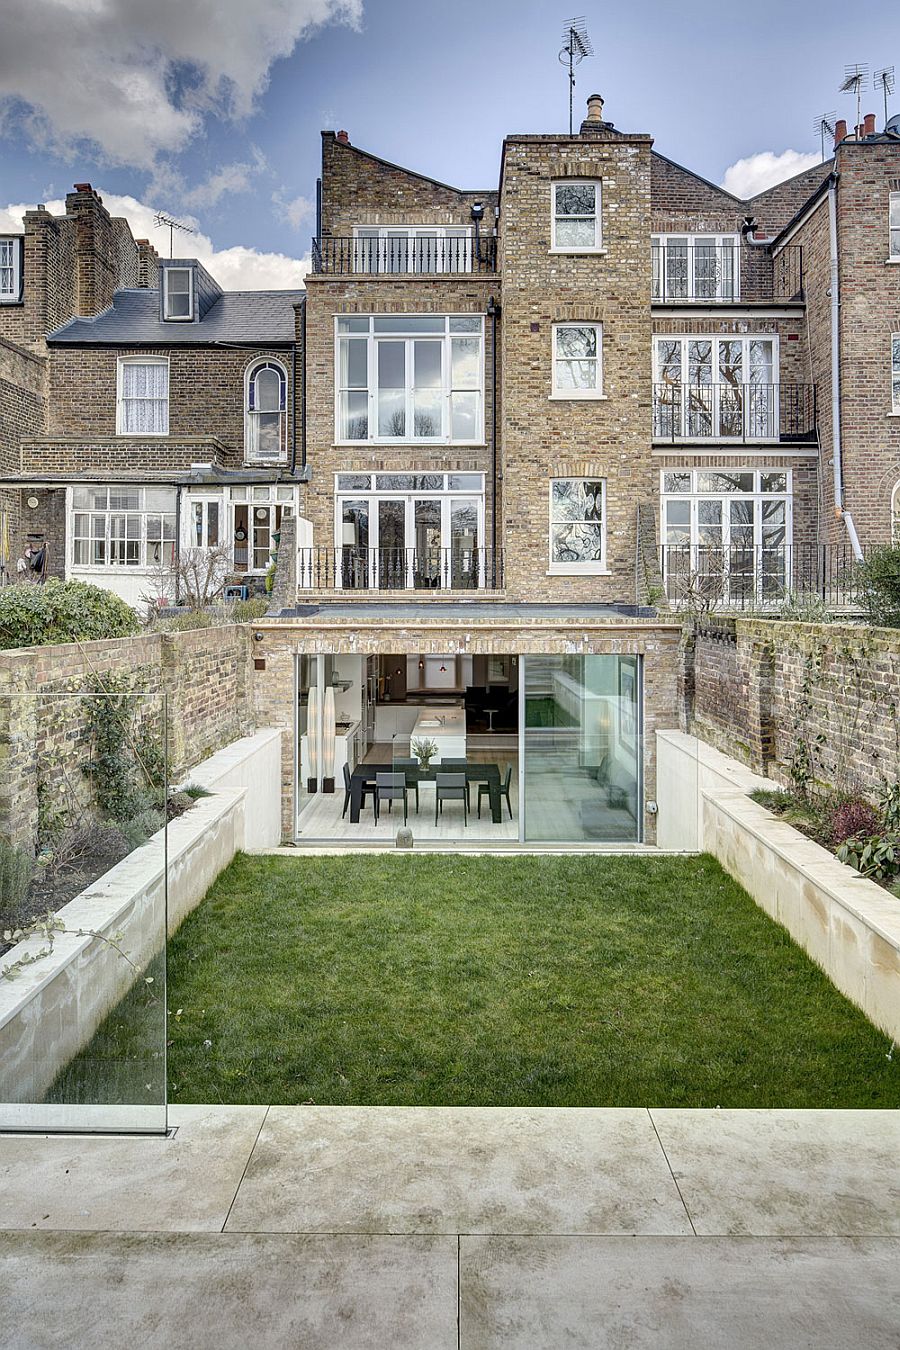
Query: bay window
{"x": 723, "y": 387}
{"x": 142, "y": 403}
{"x": 577, "y": 360}
{"x": 412, "y": 377}
{"x": 577, "y": 525}
{"x": 696, "y": 267}
{"x": 575, "y": 223}
{"x": 122, "y": 526}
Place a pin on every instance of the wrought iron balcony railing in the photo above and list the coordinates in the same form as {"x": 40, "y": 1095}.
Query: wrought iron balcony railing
{"x": 723, "y": 273}
{"x": 402, "y": 256}
{"x": 734, "y": 412}
{"x": 400, "y": 569}
{"x": 708, "y": 577}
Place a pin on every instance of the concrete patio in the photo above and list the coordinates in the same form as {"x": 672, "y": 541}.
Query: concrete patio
{"x": 468, "y": 1228}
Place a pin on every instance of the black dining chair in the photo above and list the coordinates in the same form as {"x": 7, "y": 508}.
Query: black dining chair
{"x": 410, "y": 767}
{"x": 390, "y": 788}
{"x": 484, "y": 790}
{"x": 451, "y": 787}
{"x": 457, "y": 766}
{"x": 368, "y": 790}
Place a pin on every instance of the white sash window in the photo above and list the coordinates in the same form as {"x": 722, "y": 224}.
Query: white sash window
{"x": 143, "y": 396}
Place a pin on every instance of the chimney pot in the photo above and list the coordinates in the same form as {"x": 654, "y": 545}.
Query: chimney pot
{"x": 869, "y": 125}
{"x": 595, "y": 108}
{"x": 840, "y": 130}
{"x": 83, "y": 187}
{"x": 343, "y": 138}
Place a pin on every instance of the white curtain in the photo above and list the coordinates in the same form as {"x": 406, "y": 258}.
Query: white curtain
{"x": 145, "y": 398}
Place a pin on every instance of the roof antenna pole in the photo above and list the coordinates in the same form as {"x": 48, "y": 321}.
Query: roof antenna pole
{"x": 576, "y": 46}
{"x": 824, "y": 126}
{"x": 885, "y": 78}
{"x": 169, "y": 223}
{"x": 854, "y": 82}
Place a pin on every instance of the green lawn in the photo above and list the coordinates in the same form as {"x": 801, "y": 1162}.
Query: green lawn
{"x": 438, "y": 980}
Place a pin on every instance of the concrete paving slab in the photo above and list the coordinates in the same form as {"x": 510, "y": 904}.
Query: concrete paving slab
{"x": 786, "y": 1172}
{"x": 227, "y": 1292}
{"x": 679, "y": 1293}
{"x": 458, "y": 1170}
{"x": 143, "y": 1184}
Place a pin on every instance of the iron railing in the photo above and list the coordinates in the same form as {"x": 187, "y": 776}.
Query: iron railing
{"x": 402, "y": 256}
{"x": 734, "y": 412}
{"x": 738, "y": 577}
{"x": 400, "y": 569}
{"x": 723, "y": 273}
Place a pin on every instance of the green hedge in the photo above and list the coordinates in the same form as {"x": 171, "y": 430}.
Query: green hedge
{"x": 62, "y": 611}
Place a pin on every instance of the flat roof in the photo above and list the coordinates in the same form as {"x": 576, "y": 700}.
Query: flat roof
{"x": 501, "y": 611}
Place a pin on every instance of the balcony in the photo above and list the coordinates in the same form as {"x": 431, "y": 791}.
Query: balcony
{"x": 400, "y": 569}
{"x": 705, "y": 577}
{"x": 779, "y": 413}
{"x": 724, "y": 273}
{"x": 423, "y": 256}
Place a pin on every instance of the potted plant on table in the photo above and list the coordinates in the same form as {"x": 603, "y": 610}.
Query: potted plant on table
{"x": 424, "y": 752}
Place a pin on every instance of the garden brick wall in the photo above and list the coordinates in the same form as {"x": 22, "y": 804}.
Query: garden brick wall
{"x": 771, "y": 693}
{"x": 44, "y": 740}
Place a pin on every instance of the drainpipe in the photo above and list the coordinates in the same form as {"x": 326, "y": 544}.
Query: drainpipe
{"x": 178, "y": 491}
{"x": 303, "y": 389}
{"x": 493, "y": 310}
{"x": 837, "y": 459}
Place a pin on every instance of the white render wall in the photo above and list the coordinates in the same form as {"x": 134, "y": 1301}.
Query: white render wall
{"x": 254, "y": 763}
{"x": 848, "y": 925}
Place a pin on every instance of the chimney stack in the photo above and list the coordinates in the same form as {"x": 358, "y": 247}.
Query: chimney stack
{"x": 869, "y": 125}
{"x": 840, "y": 131}
{"x": 343, "y": 138}
{"x": 595, "y": 108}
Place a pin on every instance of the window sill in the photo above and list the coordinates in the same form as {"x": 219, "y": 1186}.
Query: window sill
{"x": 411, "y": 445}
{"x": 579, "y": 396}
{"x": 578, "y": 570}
{"x": 580, "y": 252}
{"x": 892, "y": 262}
{"x": 141, "y": 435}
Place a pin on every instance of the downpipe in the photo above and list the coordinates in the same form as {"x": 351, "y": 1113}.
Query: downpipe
{"x": 837, "y": 456}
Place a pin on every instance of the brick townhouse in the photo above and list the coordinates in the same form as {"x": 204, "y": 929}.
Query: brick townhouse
{"x": 147, "y": 412}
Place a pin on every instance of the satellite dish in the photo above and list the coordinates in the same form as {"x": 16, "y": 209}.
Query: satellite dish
{"x": 893, "y": 125}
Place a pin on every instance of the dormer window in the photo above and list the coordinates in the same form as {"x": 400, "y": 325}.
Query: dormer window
{"x": 10, "y": 269}
{"x": 265, "y": 437}
{"x": 178, "y": 293}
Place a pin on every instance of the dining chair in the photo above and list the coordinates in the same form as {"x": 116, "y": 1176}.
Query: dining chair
{"x": 484, "y": 790}
{"x": 457, "y": 766}
{"x": 368, "y": 790}
{"x": 410, "y": 767}
{"x": 390, "y": 788}
{"x": 451, "y": 787}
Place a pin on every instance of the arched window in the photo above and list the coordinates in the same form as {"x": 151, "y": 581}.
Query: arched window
{"x": 895, "y": 516}
{"x": 266, "y": 422}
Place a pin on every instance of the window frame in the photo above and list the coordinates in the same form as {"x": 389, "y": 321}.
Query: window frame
{"x": 250, "y": 414}
{"x": 178, "y": 318}
{"x": 563, "y": 393}
{"x": 895, "y": 372}
{"x": 594, "y": 566}
{"x": 446, "y": 338}
{"x": 894, "y": 229}
{"x": 659, "y": 247}
{"x": 14, "y": 296}
{"x": 381, "y": 234}
{"x": 137, "y": 360}
{"x": 597, "y": 246}
{"x": 716, "y": 339}
{"x": 143, "y": 514}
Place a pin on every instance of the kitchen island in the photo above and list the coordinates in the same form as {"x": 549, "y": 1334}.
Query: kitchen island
{"x": 446, "y": 726}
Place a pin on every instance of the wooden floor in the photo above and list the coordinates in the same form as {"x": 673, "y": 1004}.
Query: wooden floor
{"x": 323, "y": 819}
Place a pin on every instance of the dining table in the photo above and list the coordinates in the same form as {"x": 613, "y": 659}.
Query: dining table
{"x": 475, "y": 773}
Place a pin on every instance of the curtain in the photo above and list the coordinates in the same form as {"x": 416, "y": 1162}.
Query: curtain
{"x": 145, "y": 398}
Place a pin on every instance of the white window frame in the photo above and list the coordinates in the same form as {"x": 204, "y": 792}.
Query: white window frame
{"x": 375, "y": 494}
{"x": 895, "y": 373}
{"x": 593, "y": 567}
{"x": 178, "y": 318}
{"x": 121, "y": 363}
{"x": 597, "y": 246}
{"x": 139, "y": 515}
{"x": 272, "y": 497}
{"x": 596, "y": 392}
{"x": 659, "y": 245}
{"x": 447, "y": 389}
{"x": 894, "y": 227}
{"x": 694, "y": 496}
{"x": 685, "y": 339}
{"x": 380, "y": 236}
{"x": 895, "y": 515}
{"x": 13, "y": 293}
{"x": 250, "y": 428}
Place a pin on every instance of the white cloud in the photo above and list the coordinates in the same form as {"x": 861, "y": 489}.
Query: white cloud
{"x": 230, "y": 178}
{"x": 239, "y": 268}
{"x": 297, "y": 211}
{"x": 756, "y": 173}
{"x": 137, "y": 77}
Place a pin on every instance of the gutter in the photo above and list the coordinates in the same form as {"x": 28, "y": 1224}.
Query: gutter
{"x": 837, "y": 457}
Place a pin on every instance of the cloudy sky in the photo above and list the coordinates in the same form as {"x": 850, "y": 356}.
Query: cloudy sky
{"x": 211, "y": 109}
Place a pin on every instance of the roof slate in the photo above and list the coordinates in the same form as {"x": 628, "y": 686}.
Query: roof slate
{"x": 239, "y": 316}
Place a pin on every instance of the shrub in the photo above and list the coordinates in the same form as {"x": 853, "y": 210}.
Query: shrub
{"x": 878, "y": 581}
{"x": 889, "y": 801}
{"x": 877, "y": 857}
{"x": 853, "y": 819}
{"x": 61, "y": 611}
